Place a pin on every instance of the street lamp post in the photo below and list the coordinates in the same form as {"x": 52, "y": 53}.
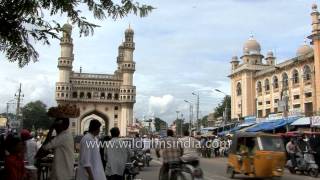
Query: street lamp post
{"x": 225, "y": 110}
{"x": 181, "y": 125}
{"x": 177, "y": 121}
{"x": 198, "y": 104}
{"x": 190, "y": 115}
{"x": 19, "y": 97}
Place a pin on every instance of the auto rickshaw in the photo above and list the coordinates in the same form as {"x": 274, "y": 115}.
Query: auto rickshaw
{"x": 257, "y": 155}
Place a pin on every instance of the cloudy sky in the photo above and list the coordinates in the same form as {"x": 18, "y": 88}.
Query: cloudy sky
{"x": 182, "y": 47}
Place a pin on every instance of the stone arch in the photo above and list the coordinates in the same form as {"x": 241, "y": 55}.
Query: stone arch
{"x": 85, "y": 120}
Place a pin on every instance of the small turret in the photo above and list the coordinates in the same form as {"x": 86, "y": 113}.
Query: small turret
{"x": 315, "y": 18}
{"x": 128, "y": 43}
{"x": 270, "y": 59}
{"x": 234, "y": 63}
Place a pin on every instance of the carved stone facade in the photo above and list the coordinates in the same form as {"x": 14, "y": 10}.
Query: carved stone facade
{"x": 257, "y": 86}
{"x": 108, "y": 98}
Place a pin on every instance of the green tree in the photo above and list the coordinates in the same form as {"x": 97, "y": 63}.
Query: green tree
{"x": 34, "y": 115}
{"x": 219, "y": 110}
{"x": 204, "y": 121}
{"x": 159, "y": 124}
{"x": 30, "y": 21}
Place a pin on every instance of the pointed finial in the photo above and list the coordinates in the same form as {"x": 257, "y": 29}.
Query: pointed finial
{"x": 80, "y": 69}
{"x": 129, "y": 26}
{"x": 314, "y": 7}
{"x": 251, "y": 35}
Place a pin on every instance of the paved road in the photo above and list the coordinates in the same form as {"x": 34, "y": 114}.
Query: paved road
{"x": 214, "y": 169}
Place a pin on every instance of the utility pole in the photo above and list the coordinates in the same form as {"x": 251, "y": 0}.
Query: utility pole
{"x": 190, "y": 115}
{"x": 198, "y": 104}
{"x": 18, "y": 96}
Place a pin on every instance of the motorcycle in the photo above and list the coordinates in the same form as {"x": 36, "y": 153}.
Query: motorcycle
{"x": 305, "y": 164}
{"x": 148, "y": 157}
{"x": 179, "y": 169}
{"x": 140, "y": 158}
{"x": 131, "y": 171}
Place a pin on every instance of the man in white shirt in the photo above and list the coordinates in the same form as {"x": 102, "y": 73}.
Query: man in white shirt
{"x": 90, "y": 164}
{"x": 116, "y": 157}
{"x": 63, "y": 146}
{"x": 189, "y": 146}
{"x": 31, "y": 146}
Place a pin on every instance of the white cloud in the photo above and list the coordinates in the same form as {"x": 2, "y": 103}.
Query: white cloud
{"x": 160, "y": 104}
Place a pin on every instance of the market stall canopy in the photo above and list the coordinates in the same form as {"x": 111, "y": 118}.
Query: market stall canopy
{"x": 271, "y": 125}
{"x": 241, "y": 126}
{"x": 304, "y": 121}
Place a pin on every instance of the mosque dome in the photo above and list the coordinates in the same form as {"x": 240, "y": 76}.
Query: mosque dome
{"x": 67, "y": 27}
{"x": 304, "y": 49}
{"x": 129, "y": 30}
{"x": 270, "y": 54}
{"x": 251, "y": 46}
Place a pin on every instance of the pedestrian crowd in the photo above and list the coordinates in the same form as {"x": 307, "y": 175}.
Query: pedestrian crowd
{"x": 22, "y": 156}
{"x": 215, "y": 146}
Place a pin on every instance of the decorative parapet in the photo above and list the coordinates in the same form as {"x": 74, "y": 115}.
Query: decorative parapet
{"x": 95, "y": 76}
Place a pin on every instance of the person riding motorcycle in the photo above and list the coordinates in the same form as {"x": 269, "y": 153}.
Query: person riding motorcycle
{"x": 291, "y": 148}
{"x": 189, "y": 146}
{"x": 171, "y": 152}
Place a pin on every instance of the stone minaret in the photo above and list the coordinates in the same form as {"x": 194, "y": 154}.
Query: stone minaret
{"x": 63, "y": 87}
{"x": 127, "y": 90}
{"x": 315, "y": 37}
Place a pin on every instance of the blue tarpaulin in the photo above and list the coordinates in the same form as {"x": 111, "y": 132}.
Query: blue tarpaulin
{"x": 271, "y": 125}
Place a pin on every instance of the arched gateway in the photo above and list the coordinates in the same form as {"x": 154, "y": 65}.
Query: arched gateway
{"x": 108, "y": 98}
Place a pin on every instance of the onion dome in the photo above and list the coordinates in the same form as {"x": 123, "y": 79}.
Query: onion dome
{"x": 304, "y": 49}
{"x": 251, "y": 46}
{"x": 67, "y": 27}
{"x": 270, "y": 54}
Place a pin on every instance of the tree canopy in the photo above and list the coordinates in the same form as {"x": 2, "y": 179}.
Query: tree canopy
{"x": 24, "y": 23}
{"x": 159, "y": 124}
{"x": 219, "y": 110}
{"x": 34, "y": 115}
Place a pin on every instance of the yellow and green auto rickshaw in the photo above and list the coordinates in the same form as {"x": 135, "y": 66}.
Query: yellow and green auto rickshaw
{"x": 256, "y": 155}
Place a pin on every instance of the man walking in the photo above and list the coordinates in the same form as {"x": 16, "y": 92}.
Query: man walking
{"x": 63, "y": 146}
{"x": 90, "y": 164}
{"x": 117, "y": 156}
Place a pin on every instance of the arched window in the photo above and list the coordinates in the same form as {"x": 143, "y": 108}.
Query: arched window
{"x": 285, "y": 80}
{"x": 295, "y": 77}
{"x": 275, "y": 82}
{"x": 266, "y": 85}
{"x": 109, "y": 96}
{"x": 306, "y": 73}
{"x": 89, "y": 95}
{"x": 82, "y": 95}
{"x": 74, "y": 95}
{"x": 259, "y": 87}
{"x": 103, "y": 95}
{"x": 239, "y": 89}
{"x": 116, "y": 96}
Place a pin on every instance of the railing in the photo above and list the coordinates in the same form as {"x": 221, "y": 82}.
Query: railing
{"x": 94, "y": 76}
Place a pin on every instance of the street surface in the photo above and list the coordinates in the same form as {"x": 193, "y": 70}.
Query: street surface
{"x": 213, "y": 168}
